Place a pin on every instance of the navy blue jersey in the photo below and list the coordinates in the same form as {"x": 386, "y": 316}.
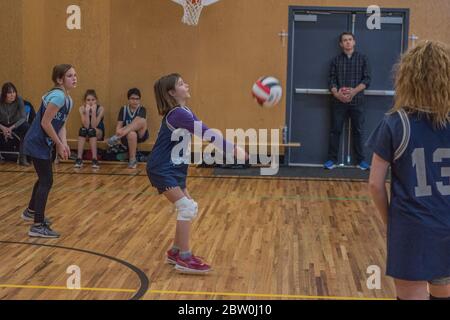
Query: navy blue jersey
{"x": 37, "y": 143}
{"x": 97, "y": 113}
{"x": 126, "y": 115}
{"x": 419, "y": 212}
{"x": 161, "y": 159}
{"x": 167, "y": 166}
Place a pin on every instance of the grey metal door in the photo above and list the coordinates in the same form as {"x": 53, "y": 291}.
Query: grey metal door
{"x": 313, "y": 44}
{"x": 383, "y": 48}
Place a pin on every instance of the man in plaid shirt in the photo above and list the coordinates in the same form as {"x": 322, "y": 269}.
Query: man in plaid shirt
{"x": 349, "y": 77}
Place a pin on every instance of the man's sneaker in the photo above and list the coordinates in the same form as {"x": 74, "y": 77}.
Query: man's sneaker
{"x": 364, "y": 166}
{"x": 172, "y": 257}
{"x": 42, "y": 230}
{"x": 95, "y": 164}
{"x": 132, "y": 164}
{"x": 29, "y": 216}
{"x": 329, "y": 165}
{"x": 193, "y": 265}
{"x": 113, "y": 141}
{"x": 78, "y": 163}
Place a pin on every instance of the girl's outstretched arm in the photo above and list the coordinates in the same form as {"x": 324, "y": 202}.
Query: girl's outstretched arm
{"x": 182, "y": 118}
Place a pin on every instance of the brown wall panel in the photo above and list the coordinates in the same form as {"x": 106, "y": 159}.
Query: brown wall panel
{"x": 11, "y": 43}
{"x": 48, "y": 42}
{"x": 235, "y": 43}
{"x": 127, "y": 43}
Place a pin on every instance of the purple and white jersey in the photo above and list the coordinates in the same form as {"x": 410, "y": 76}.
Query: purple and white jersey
{"x": 179, "y": 122}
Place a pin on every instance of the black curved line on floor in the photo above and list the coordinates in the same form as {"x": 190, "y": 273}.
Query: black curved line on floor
{"x": 142, "y": 277}
{"x": 200, "y": 177}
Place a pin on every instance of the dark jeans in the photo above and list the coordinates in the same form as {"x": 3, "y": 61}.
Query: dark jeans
{"x": 41, "y": 188}
{"x": 339, "y": 113}
{"x": 21, "y": 131}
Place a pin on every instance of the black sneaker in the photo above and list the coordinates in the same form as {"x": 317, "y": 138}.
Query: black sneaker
{"x": 78, "y": 163}
{"x": 95, "y": 164}
{"x": 23, "y": 161}
{"x": 42, "y": 230}
{"x": 29, "y": 216}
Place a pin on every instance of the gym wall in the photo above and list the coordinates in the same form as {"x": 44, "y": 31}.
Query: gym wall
{"x": 131, "y": 43}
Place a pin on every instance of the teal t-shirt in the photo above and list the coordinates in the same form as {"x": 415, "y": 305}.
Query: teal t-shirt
{"x": 57, "y": 97}
{"x": 37, "y": 143}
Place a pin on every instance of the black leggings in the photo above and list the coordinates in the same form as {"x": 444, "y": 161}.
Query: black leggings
{"x": 41, "y": 188}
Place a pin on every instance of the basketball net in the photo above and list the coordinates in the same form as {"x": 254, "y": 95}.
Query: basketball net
{"x": 192, "y": 11}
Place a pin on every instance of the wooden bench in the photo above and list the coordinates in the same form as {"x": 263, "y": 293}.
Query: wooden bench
{"x": 73, "y": 143}
{"x": 148, "y": 146}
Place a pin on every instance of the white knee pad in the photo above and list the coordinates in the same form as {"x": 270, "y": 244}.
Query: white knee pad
{"x": 196, "y": 208}
{"x": 186, "y": 209}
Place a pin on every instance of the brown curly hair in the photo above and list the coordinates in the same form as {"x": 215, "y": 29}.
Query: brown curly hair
{"x": 422, "y": 82}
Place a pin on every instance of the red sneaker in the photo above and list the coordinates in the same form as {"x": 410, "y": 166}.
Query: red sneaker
{"x": 192, "y": 265}
{"x": 172, "y": 257}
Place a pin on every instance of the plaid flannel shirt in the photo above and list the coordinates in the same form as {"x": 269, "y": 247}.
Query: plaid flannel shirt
{"x": 350, "y": 72}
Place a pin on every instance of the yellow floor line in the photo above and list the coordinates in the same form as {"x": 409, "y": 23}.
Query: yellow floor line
{"x": 224, "y": 294}
{"x": 286, "y": 296}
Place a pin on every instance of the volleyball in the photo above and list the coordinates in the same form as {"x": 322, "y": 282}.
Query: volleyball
{"x": 267, "y": 91}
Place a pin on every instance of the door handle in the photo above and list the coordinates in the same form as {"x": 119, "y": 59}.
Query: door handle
{"x": 382, "y": 93}
{"x": 390, "y": 93}
{"x": 313, "y": 91}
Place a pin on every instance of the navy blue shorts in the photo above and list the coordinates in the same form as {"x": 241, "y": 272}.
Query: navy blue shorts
{"x": 124, "y": 140}
{"x": 168, "y": 180}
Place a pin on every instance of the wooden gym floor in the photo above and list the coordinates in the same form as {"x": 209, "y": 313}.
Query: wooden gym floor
{"x": 265, "y": 238}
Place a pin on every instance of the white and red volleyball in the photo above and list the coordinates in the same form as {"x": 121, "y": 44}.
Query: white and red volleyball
{"x": 267, "y": 91}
